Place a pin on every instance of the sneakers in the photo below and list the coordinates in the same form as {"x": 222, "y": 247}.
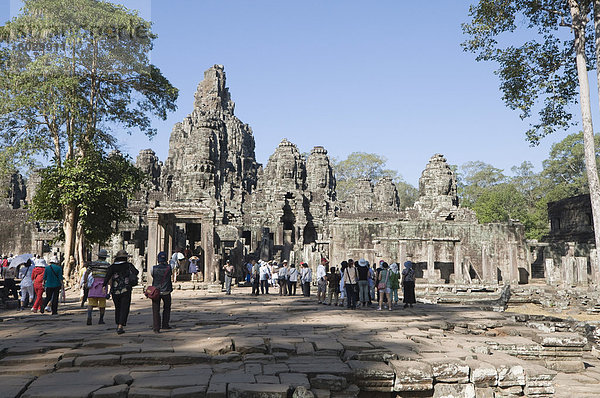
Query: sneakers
{"x": 101, "y": 321}
{"x": 379, "y": 309}
{"x": 120, "y": 331}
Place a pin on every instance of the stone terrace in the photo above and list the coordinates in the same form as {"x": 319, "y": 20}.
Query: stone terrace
{"x": 272, "y": 346}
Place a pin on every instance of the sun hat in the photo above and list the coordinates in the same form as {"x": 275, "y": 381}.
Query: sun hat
{"x": 362, "y": 262}
{"x": 54, "y": 260}
{"x": 121, "y": 254}
{"x": 408, "y": 264}
{"x": 102, "y": 253}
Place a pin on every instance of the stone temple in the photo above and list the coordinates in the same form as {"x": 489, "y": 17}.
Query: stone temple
{"x": 211, "y": 194}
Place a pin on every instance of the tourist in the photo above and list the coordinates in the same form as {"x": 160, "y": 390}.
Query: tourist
{"x": 292, "y": 279}
{"x": 37, "y": 276}
{"x": 255, "y": 278}
{"x": 265, "y": 276}
{"x": 83, "y": 285}
{"x": 26, "y": 284}
{"x": 121, "y": 275}
{"x": 363, "y": 281}
{"x": 394, "y": 283}
{"x": 248, "y": 271}
{"x": 383, "y": 281}
{"x": 408, "y": 284}
{"x": 333, "y": 280}
{"x": 94, "y": 279}
{"x": 10, "y": 286}
{"x": 344, "y": 265}
{"x": 53, "y": 277}
{"x": 175, "y": 263}
{"x": 283, "y": 281}
{"x": 161, "y": 279}
{"x": 322, "y": 281}
{"x": 351, "y": 284}
{"x": 305, "y": 279}
{"x": 274, "y": 274}
{"x": 193, "y": 268}
{"x": 374, "y": 277}
{"x": 228, "y": 269}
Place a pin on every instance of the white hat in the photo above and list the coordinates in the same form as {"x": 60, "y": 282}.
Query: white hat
{"x": 362, "y": 262}
{"x": 40, "y": 262}
{"x": 54, "y": 260}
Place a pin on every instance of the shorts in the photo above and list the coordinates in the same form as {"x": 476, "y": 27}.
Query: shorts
{"x": 97, "y": 302}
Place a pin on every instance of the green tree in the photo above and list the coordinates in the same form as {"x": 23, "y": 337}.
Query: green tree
{"x": 473, "y": 178}
{"x": 71, "y": 73}
{"x": 549, "y": 71}
{"x": 100, "y": 185}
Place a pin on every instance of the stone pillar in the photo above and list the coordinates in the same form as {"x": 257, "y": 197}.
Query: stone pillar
{"x": 212, "y": 272}
{"x": 513, "y": 263}
{"x": 430, "y": 261}
{"x": 568, "y": 266}
{"x": 550, "y": 278}
{"x": 581, "y": 266}
{"x": 486, "y": 272}
{"x": 402, "y": 254}
{"x": 458, "y": 266}
{"x": 595, "y": 271}
{"x": 153, "y": 242}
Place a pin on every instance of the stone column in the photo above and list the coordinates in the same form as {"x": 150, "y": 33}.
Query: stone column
{"x": 550, "y": 279}
{"x": 486, "y": 272}
{"x": 594, "y": 265}
{"x": 513, "y": 263}
{"x": 402, "y": 254}
{"x": 581, "y": 266}
{"x": 209, "y": 251}
{"x": 458, "y": 266}
{"x": 430, "y": 261}
{"x": 153, "y": 242}
{"x": 568, "y": 265}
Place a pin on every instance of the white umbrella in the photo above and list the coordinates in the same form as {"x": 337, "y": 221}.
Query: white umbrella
{"x": 20, "y": 259}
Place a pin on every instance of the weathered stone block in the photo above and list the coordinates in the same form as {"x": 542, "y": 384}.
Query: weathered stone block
{"x": 97, "y": 360}
{"x": 328, "y": 382}
{"x": 449, "y": 370}
{"x": 442, "y": 390}
{"x": 483, "y": 374}
{"x": 484, "y": 392}
{"x": 562, "y": 339}
{"x": 245, "y": 390}
{"x": 189, "y": 392}
{"x": 566, "y": 366}
{"x": 510, "y": 375}
{"x": 412, "y": 376}
{"x": 294, "y": 379}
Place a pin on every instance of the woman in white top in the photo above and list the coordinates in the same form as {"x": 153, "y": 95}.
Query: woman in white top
{"x": 265, "y": 275}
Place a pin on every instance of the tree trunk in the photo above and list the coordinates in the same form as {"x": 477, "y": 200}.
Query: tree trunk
{"x": 69, "y": 228}
{"x": 80, "y": 245}
{"x": 579, "y": 24}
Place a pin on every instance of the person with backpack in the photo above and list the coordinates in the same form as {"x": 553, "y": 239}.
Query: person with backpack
{"x": 161, "y": 280}
{"x": 122, "y": 276}
{"x": 37, "y": 275}
{"x": 94, "y": 280}
{"x": 383, "y": 286}
{"x": 26, "y": 284}
{"x": 53, "y": 277}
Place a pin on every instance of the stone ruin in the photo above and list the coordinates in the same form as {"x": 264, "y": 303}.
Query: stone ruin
{"x": 211, "y": 194}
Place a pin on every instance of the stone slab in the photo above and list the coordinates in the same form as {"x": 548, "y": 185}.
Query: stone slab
{"x": 246, "y": 390}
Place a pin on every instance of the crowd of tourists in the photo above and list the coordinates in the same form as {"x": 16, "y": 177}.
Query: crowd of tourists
{"x": 355, "y": 284}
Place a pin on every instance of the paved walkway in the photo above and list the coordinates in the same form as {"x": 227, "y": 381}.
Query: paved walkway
{"x": 272, "y": 346}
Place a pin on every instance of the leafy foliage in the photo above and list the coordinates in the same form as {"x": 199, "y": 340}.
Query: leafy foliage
{"x": 537, "y": 75}
{"x": 99, "y": 186}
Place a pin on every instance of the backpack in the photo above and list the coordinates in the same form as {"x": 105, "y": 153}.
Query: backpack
{"x": 132, "y": 278}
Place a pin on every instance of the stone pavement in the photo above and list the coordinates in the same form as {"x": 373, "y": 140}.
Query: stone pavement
{"x": 272, "y": 346}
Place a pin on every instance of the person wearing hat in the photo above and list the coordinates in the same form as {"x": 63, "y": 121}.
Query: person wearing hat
{"x": 350, "y": 278}
{"x": 408, "y": 284}
{"x": 161, "y": 279}
{"x": 228, "y": 269}
{"x": 26, "y": 284}
{"x": 193, "y": 268}
{"x": 292, "y": 279}
{"x": 265, "y": 277}
{"x": 94, "y": 278}
{"x": 37, "y": 276}
{"x": 53, "y": 277}
{"x": 121, "y": 275}
{"x": 363, "y": 282}
{"x": 254, "y": 276}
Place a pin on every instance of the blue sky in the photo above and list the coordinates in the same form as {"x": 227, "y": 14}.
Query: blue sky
{"x": 384, "y": 76}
